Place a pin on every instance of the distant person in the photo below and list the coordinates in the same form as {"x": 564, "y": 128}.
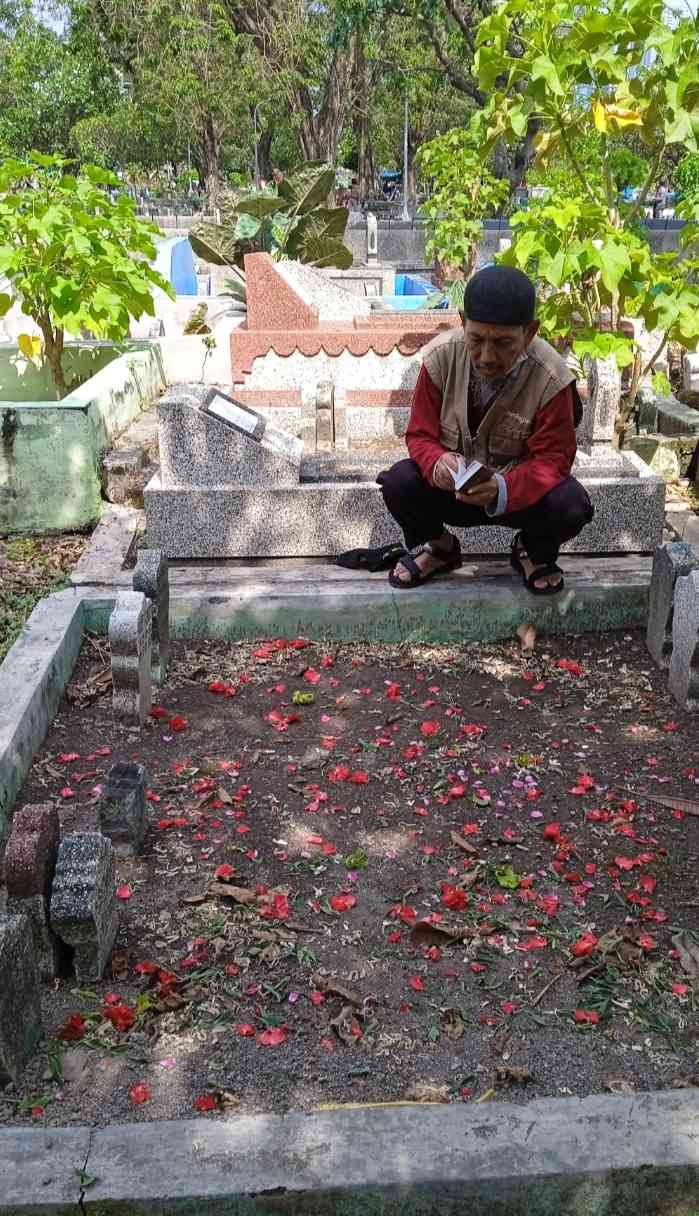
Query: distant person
{"x": 495, "y": 393}
{"x": 661, "y": 197}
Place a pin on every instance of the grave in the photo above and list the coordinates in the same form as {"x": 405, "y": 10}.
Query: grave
{"x": 20, "y": 998}
{"x": 30, "y": 861}
{"x": 312, "y": 363}
{"x": 83, "y": 901}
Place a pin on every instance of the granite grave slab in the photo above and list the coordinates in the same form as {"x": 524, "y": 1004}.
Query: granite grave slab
{"x": 684, "y": 663}
{"x": 670, "y": 562}
{"x": 20, "y": 998}
{"x": 130, "y": 640}
{"x": 83, "y": 902}
{"x": 122, "y": 808}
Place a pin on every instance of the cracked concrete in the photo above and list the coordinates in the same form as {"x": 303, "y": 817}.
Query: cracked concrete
{"x": 598, "y": 1156}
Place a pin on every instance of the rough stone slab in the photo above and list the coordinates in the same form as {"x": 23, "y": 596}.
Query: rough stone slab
{"x": 83, "y": 901}
{"x": 151, "y": 578}
{"x": 670, "y": 562}
{"x": 676, "y": 418}
{"x": 122, "y": 808}
{"x": 690, "y": 372}
{"x": 20, "y": 998}
{"x": 39, "y": 1170}
{"x": 130, "y": 640}
{"x": 684, "y": 663}
{"x": 608, "y": 1155}
{"x": 33, "y": 677}
{"x": 30, "y": 856}
{"x": 602, "y": 406}
{"x": 326, "y": 519}
{"x": 113, "y": 535}
{"x": 49, "y": 953}
{"x": 198, "y": 448}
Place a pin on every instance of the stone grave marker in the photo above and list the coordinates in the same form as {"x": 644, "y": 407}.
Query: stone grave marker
{"x": 30, "y": 861}
{"x": 83, "y": 901}
{"x": 670, "y": 562}
{"x": 209, "y": 439}
{"x": 122, "y": 808}
{"x": 20, "y": 998}
{"x": 604, "y": 395}
{"x": 151, "y": 579}
{"x": 684, "y": 663}
{"x": 130, "y": 641}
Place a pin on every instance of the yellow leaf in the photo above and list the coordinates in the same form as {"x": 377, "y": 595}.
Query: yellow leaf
{"x": 600, "y": 116}
{"x": 623, "y": 117}
{"x": 29, "y": 346}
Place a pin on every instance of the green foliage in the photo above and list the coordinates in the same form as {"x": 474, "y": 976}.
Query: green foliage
{"x": 686, "y": 175}
{"x": 588, "y": 268}
{"x": 291, "y": 223}
{"x": 464, "y": 193}
{"x": 595, "y": 71}
{"x": 75, "y": 259}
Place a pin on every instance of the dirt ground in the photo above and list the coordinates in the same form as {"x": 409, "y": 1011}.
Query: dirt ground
{"x": 30, "y": 568}
{"x": 451, "y": 876}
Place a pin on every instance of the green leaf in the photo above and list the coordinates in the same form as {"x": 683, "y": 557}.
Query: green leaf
{"x": 259, "y": 205}
{"x": 506, "y": 877}
{"x": 247, "y": 227}
{"x": 214, "y": 243}
{"x": 5, "y": 303}
{"x": 543, "y": 68}
{"x": 308, "y": 187}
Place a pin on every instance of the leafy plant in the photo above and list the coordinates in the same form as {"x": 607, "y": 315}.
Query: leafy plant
{"x": 577, "y": 68}
{"x": 76, "y": 260}
{"x": 293, "y": 222}
{"x": 464, "y": 193}
{"x": 686, "y": 175}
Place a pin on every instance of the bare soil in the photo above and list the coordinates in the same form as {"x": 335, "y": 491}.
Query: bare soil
{"x": 413, "y": 923}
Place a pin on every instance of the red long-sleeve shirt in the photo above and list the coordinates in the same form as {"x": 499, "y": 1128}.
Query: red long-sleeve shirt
{"x": 550, "y": 449}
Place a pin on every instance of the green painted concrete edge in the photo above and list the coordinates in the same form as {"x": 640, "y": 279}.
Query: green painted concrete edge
{"x": 599, "y": 1156}
{"x": 50, "y": 456}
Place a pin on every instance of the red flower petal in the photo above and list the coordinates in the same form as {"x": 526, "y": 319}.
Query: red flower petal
{"x": 274, "y": 1037}
{"x": 139, "y": 1093}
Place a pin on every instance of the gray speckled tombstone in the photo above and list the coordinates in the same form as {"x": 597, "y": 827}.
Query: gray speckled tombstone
{"x": 30, "y": 861}
{"x": 604, "y": 395}
{"x": 83, "y": 901}
{"x": 20, "y": 998}
{"x": 151, "y": 578}
{"x": 208, "y": 439}
{"x": 670, "y": 562}
{"x": 684, "y": 663}
{"x": 130, "y": 639}
{"x": 122, "y": 808}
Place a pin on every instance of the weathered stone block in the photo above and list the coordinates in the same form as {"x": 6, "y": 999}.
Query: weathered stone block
{"x": 690, "y": 372}
{"x": 602, "y": 406}
{"x": 122, "y": 808}
{"x": 684, "y": 663}
{"x": 151, "y": 579}
{"x": 125, "y": 473}
{"x": 130, "y": 640}
{"x": 20, "y": 998}
{"x": 670, "y": 562}
{"x": 30, "y": 861}
{"x": 209, "y": 439}
{"x": 83, "y": 901}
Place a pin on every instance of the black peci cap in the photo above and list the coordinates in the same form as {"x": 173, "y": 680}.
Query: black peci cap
{"x": 500, "y": 295}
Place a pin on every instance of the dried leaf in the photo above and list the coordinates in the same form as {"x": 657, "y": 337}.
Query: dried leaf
{"x": 617, "y": 1085}
{"x": 424, "y": 933}
{"x": 508, "y": 1074}
{"x": 192, "y": 900}
{"x": 461, "y": 843}
{"x": 425, "y": 1091}
{"x": 343, "y": 1025}
{"x": 169, "y": 1002}
{"x": 239, "y": 895}
{"x": 452, "y": 1023}
{"x": 224, "y": 796}
{"x": 676, "y": 804}
{"x": 689, "y": 954}
{"x": 120, "y": 965}
{"x": 336, "y": 988}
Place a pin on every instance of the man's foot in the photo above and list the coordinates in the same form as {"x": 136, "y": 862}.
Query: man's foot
{"x": 442, "y": 554}
{"x": 547, "y": 583}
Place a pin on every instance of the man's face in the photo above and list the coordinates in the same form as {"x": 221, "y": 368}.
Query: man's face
{"x": 495, "y": 348}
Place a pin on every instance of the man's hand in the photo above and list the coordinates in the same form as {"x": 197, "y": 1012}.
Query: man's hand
{"x": 480, "y": 496}
{"x": 447, "y": 464}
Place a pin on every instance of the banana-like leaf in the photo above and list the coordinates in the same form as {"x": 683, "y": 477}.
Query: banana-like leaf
{"x": 214, "y": 243}
{"x": 323, "y": 251}
{"x": 259, "y": 205}
{"x": 324, "y": 223}
{"x": 236, "y": 287}
{"x": 308, "y": 187}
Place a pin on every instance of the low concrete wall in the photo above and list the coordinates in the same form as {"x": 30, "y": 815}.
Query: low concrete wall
{"x": 50, "y": 451}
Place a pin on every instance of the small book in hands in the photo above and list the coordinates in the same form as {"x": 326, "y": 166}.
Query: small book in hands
{"x": 471, "y": 474}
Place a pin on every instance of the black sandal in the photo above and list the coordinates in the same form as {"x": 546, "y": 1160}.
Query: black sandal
{"x": 517, "y": 552}
{"x": 371, "y": 560}
{"x": 451, "y": 560}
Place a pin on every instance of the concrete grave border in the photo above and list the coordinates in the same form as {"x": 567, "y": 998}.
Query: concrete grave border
{"x": 610, "y": 1155}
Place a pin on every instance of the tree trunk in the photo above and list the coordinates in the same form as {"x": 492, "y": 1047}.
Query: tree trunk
{"x": 414, "y": 141}
{"x": 210, "y": 158}
{"x": 360, "y": 122}
{"x": 53, "y": 353}
{"x": 264, "y": 153}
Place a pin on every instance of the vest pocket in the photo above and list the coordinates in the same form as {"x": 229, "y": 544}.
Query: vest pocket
{"x": 508, "y": 439}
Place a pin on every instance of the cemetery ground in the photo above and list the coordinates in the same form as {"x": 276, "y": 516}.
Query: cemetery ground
{"x": 380, "y": 874}
{"x": 30, "y": 568}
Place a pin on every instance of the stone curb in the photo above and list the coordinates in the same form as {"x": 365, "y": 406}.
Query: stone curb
{"x": 603, "y": 1155}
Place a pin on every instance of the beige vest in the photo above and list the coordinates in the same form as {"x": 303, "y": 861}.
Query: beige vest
{"x": 502, "y": 434}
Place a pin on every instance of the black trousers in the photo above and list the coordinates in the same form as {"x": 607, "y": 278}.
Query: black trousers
{"x": 421, "y": 511}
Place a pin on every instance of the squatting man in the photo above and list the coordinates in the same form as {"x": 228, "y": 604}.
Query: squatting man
{"x": 491, "y": 439}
